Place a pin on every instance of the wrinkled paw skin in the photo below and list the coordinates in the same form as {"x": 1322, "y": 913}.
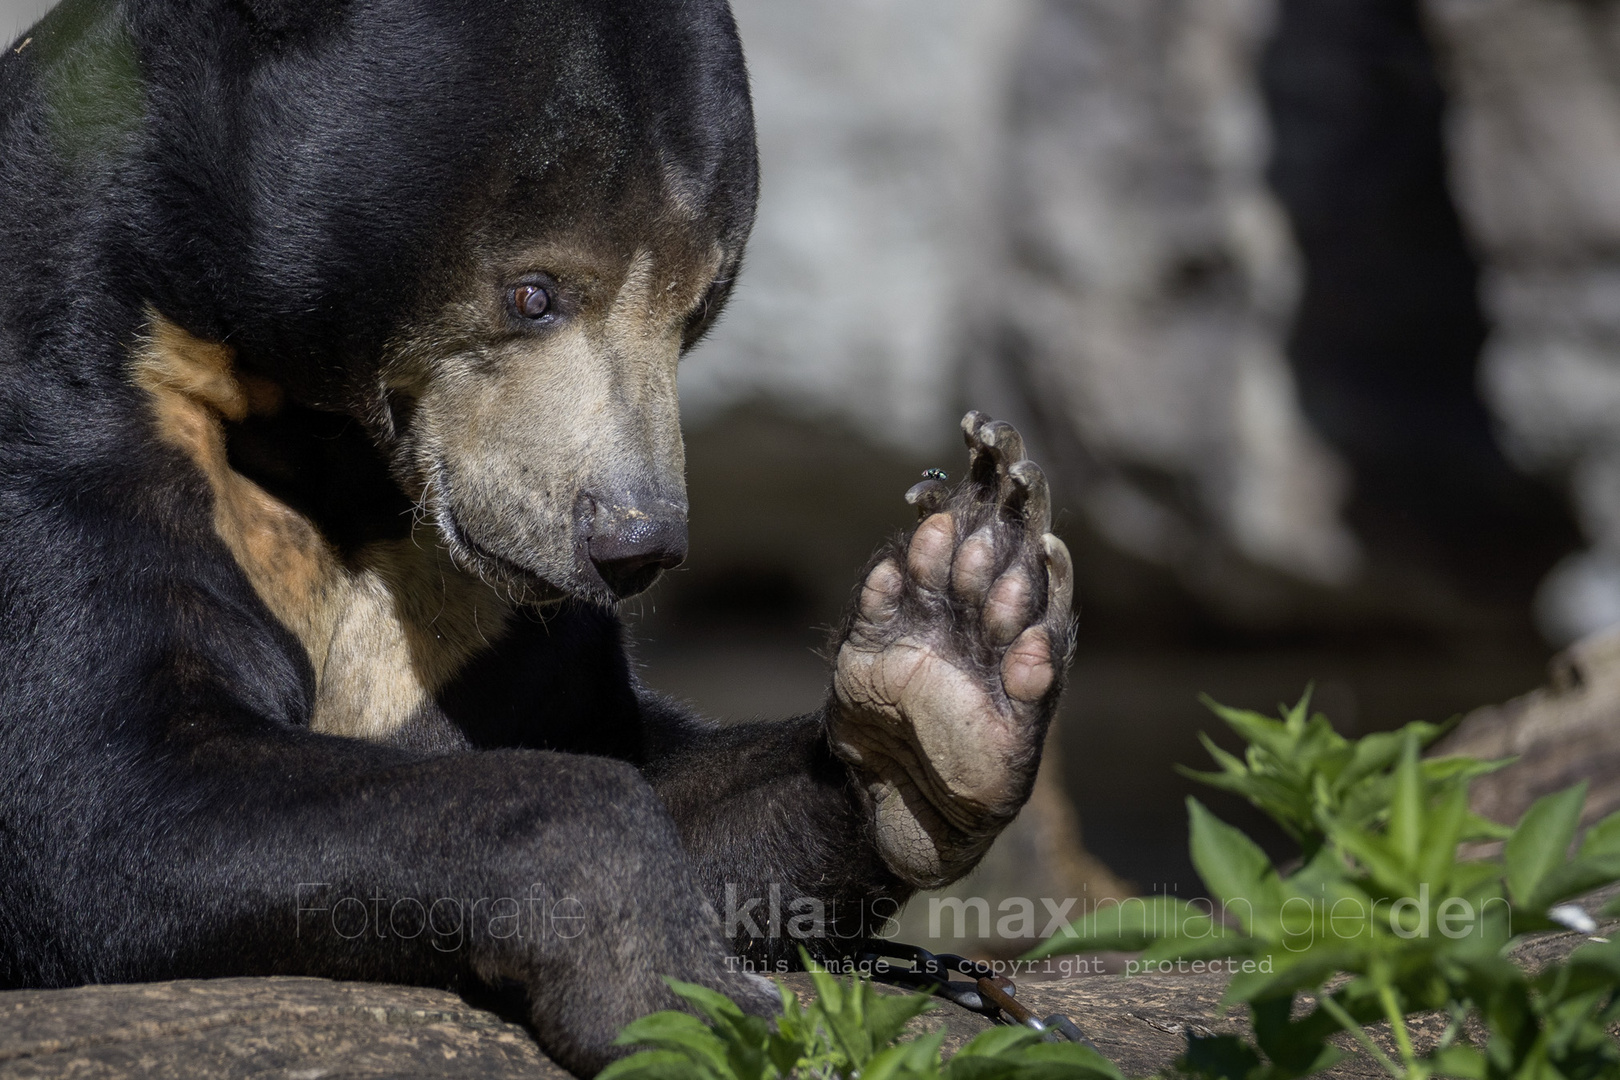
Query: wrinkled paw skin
{"x": 952, "y": 661}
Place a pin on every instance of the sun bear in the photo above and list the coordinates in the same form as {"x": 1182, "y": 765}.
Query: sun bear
{"x": 338, "y": 345}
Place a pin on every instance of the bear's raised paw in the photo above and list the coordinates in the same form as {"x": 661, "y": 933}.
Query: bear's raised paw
{"x": 952, "y": 661}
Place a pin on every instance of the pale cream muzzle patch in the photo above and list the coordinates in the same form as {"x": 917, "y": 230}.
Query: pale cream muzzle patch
{"x": 384, "y": 630}
{"x": 509, "y": 431}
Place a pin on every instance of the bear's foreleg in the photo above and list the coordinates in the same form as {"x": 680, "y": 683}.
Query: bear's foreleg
{"x": 279, "y": 852}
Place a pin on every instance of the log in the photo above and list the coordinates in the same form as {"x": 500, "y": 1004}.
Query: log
{"x": 223, "y": 1029}
{"x": 309, "y": 1029}
{"x": 232, "y": 1029}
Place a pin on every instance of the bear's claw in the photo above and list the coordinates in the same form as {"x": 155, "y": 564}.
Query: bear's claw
{"x": 929, "y": 496}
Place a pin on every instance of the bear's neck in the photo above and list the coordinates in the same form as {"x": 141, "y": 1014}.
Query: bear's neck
{"x": 326, "y": 541}
{"x": 326, "y": 467}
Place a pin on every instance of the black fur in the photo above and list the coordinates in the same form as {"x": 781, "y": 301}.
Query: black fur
{"x": 299, "y": 178}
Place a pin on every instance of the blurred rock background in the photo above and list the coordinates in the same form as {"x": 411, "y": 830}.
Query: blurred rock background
{"x": 1535, "y": 138}
{"x": 1208, "y": 255}
{"x": 1308, "y": 307}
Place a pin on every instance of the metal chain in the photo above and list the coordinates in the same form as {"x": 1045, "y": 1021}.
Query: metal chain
{"x": 988, "y": 994}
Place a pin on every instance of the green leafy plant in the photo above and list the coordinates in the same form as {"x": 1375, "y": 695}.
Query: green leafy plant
{"x": 1380, "y": 917}
{"x": 1379, "y": 894}
{"x": 849, "y": 1030}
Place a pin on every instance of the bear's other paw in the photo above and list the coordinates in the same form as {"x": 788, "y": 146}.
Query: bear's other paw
{"x": 951, "y": 664}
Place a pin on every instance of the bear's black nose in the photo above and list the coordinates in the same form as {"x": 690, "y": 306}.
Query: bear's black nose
{"x": 630, "y": 546}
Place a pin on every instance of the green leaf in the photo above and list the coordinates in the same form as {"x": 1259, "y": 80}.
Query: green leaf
{"x": 888, "y": 1014}
{"x": 1373, "y": 754}
{"x": 1391, "y": 875}
{"x": 796, "y": 1035}
{"x": 656, "y": 1065}
{"x": 1541, "y": 841}
{"x": 1602, "y": 838}
{"x": 681, "y": 1033}
{"x": 916, "y": 1060}
{"x": 1438, "y": 839}
{"x": 1479, "y": 828}
{"x": 786, "y": 1050}
{"x": 829, "y": 993}
{"x": 1407, "y": 806}
{"x": 1232, "y": 865}
{"x": 746, "y": 1041}
{"x": 710, "y": 1003}
{"x": 1262, "y": 731}
{"x": 1463, "y": 1062}
{"x": 1294, "y": 718}
{"x": 1219, "y": 1057}
{"x": 998, "y": 1040}
{"x": 1462, "y": 768}
{"x": 665, "y": 1027}
{"x": 1601, "y": 956}
{"x": 1064, "y": 1060}
{"x": 1476, "y": 880}
{"x": 1295, "y": 1049}
{"x": 1574, "y": 879}
{"x": 1018, "y": 1053}
{"x": 860, "y": 1021}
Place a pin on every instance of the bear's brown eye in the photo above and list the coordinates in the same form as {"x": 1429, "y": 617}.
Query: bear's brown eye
{"x": 530, "y": 301}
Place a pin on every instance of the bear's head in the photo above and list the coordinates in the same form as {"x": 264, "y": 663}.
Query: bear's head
{"x": 486, "y": 230}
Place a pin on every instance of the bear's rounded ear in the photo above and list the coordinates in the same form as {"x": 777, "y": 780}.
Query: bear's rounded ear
{"x": 282, "y": 20}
